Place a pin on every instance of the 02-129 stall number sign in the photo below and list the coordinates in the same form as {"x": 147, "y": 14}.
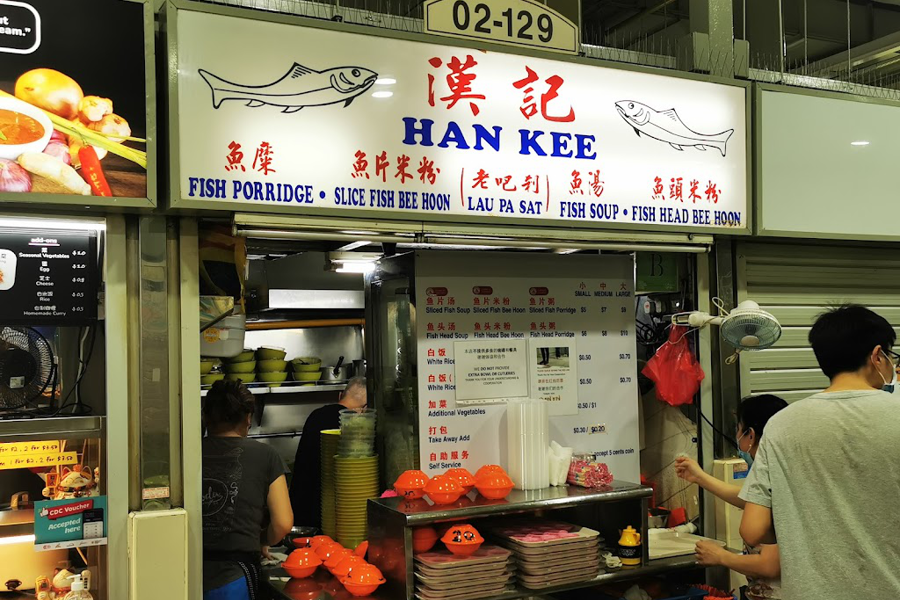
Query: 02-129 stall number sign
{"x": 512, "y": 22}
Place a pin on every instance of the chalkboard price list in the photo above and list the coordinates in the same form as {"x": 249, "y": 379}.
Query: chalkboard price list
{"x": 48, "y": 277}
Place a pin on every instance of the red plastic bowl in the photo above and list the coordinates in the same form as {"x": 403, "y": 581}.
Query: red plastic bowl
{"x": 463, "y": 478}
{"x": 494, "y": 486}
{"x": 411, "y": 484}
{"x": 424, "y": 539}
{"x": 299, "y": 572}
{"x": 443, "y": 490}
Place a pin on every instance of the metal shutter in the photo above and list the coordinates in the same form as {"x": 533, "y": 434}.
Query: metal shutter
{"x": 796, "y": 283}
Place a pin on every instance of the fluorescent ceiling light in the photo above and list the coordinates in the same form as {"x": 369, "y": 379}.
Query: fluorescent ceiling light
{"x": 17, "y": 539}
{"x": 64, "y": 224}
{"x": 385, "y": 81}
{"x": 860, "y": 143}
{"x": 382, "y": 94}
{"x": 356, "y": 267}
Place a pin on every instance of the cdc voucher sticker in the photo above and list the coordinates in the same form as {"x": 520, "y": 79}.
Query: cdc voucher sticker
{"x": 20, "y": 28}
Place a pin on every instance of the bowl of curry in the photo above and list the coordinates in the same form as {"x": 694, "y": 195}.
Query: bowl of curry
{"x": 23, "y": 128}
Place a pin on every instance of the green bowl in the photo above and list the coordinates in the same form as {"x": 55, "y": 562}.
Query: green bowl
{"x": 306, "y": 364}
{"x": 270, "y": 354}
{"x": 271, "y": 366}
{"x": 304, "y": 376}
{"x": 244, "y": 356}
{"x": 206, "y": 366}
{"x": 273, "y": 377}
{"x": 242, "y": 367}
{"x": 243, "y": 377}
{"x": 211, "y": 379}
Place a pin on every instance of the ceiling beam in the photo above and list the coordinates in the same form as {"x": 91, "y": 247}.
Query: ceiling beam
{"x": 860, "y": 56}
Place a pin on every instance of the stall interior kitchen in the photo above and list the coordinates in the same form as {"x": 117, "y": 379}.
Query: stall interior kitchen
{"x": 525, "y": 342}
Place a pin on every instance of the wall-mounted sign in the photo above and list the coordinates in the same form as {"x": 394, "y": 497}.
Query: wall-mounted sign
{"x": 74, "y": 117}
{"x": 72, "y": 523}
{"x": 280, "y": 118}
{"x": 571, "y": 317}
{"x": 48, "y": 276}
{"x": 514, "y": 22}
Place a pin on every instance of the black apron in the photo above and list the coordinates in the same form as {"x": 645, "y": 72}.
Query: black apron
{"x": 249, "y": 562}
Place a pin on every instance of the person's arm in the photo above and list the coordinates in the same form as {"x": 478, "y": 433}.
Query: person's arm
{"x": 281, "y": 517}
{"x": 689, "y": 470}
{"x": 765, "y": 565}
{"x": 757, "y": 527}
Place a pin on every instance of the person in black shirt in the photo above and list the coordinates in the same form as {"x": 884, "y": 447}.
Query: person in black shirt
{"x": 306, "y": 485}
{"x": 246, "y": 504}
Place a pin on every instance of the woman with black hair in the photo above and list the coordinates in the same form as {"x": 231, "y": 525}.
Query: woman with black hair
{"x": 246, "y": 504}
{"x": 761, "y": 565}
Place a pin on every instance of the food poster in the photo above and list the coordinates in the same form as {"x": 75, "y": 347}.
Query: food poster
{"x": 73, "y": 98}
{"x": 581, "y": 305}
{"x": 553, "y": 375}
{"x": 280, "y": 118}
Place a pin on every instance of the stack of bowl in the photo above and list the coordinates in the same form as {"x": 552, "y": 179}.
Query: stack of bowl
{"x": 357, "y": 482}
{"x": 357, "y": 433}
{"x": 307, "y": 369}
{"x": 271, "y": 368}
{"x": 330, "y": 440}
{"x": 241, "y": 367}
{"x": 207, "y": 376}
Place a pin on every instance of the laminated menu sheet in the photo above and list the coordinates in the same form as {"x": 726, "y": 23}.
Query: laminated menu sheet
{"x": 572, "y": 316}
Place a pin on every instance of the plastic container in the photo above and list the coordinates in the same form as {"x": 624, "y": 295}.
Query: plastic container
{"x": 225, "y": 339}
{"x": 78, "y": 591}
{"x": 528, "y": 443}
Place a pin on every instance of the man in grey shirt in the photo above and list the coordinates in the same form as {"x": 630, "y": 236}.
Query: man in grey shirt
{"x": 827, "y": 473}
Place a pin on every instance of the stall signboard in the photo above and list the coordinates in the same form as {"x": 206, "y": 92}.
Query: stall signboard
{"x": 49, "y": 277}
{"x": 76, "y": 102}
{"x": 277, "y": 117}
{"x": 70, "y": 523}
{"x": 572, "y": 316}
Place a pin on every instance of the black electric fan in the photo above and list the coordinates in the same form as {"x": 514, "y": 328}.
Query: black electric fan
{"x": 26, "y": 367}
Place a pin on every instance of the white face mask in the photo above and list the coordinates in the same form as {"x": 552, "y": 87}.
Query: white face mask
{"x": 891, "y": 387}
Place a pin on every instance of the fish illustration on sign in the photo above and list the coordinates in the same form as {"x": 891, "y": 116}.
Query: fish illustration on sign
{"x": 666, "y": 126}
{"x": 299, "y": 88}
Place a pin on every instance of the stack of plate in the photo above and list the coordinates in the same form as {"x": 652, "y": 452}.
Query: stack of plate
{"x": 551, "y": 553}
{"x": 357, "y": 433}
{"x": 444, "y": 576}
{"x": 330, "y": 440}
{"x": 356, "y": 480}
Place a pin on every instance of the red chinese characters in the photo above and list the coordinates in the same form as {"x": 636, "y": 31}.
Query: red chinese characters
{"x": 529, "y": 106}
{"x": 459, "y": 82}
{"x": 262, "y": 162}
{"x": 694, "y": 191}
{"x": 361, "y": 165}
{"x": 235, "y": 157}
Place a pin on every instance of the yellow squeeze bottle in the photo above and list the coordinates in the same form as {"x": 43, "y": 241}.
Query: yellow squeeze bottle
{"x": 630, "y": 547}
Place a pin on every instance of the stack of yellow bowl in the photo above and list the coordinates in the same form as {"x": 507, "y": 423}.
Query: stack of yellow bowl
{"x": 241, "y": 367}
{"x": 271, "y": 368}
{"x": 357, "y": 481}
{"x": 307, "y": 369}
{"x": 330, "y": 440}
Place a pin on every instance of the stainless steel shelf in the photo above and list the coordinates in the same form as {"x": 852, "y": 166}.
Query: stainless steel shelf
{"x": 26, "y": 430}
{"x": 287, "y": 388}
{"x": 518, "y": 501}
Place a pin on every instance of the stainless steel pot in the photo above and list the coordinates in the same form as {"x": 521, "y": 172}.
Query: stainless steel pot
{"x": 338, "y": 372}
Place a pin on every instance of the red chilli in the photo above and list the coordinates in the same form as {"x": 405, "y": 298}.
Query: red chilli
{"x": 92, "y": 172}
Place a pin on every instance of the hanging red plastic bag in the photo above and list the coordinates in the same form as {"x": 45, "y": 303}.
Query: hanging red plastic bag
{"x": 674, "y": 369}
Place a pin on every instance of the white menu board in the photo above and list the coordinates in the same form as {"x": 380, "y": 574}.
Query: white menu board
{"x": 581, "y": 306}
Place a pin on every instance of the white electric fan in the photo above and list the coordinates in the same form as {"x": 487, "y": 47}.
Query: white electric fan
{"x": 747, "y": 327}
